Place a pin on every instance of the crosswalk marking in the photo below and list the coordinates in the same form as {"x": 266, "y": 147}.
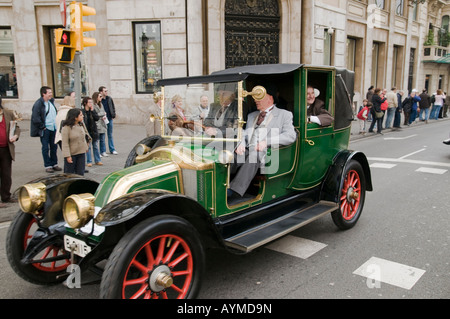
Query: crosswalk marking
{"x": 431, "y": 170}
{"x": 382, "y": 165}
{"x": 296, "y": 246}
{"x": 378, "y": 270}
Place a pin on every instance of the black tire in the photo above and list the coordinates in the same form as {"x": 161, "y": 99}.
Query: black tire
{"x": 352, "y": 196}
{"x": 19, "y": 232}
{"x": 150, "y": 141}
{"x": 133, "y": 249}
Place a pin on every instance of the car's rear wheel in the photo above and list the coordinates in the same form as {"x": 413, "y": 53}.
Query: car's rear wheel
{"x": 352, "y": 196}
{"x": 48, "y": 262}
{"x": 162, "y": 257}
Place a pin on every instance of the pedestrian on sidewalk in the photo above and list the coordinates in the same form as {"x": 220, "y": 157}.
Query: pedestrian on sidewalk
{"x": 439, "y": 98}
{"x": 9, "y": 134}
{"x": 376, "y": 111}
{"x": 90, "y": 119}
{"x": 101, "y": 124}
{"x": 424, "y": 105}
{"x": 43, "y": 125}
{"x": 68, "y": 103}
{"x": 75, "y": 141}
{"x": 363, "y": 115}
{"x": 398, "y": 112}
{"x": 110, "y": 109}
{"x": 392, "y": 101}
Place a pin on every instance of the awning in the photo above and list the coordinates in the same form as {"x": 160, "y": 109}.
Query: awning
{"x": 444, "y": 59}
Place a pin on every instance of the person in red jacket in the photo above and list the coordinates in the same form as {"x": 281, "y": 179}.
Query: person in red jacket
{"x": 9, "y": 134}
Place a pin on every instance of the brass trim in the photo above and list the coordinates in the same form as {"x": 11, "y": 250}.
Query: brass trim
{"x": 183, "y": 157}
{"x": 122, "y": 186}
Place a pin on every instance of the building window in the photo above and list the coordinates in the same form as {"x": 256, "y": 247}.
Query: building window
{"x": 328, "y": 47}
{"x": 8, "y": 81}
{"x": 148, "y": 56}
{"x": 63, "y": 73}
{"x": 399, "y": 7}
{"x": 380, "y": 3}
{"x": 412, "y": 54}
{"x": 351, "y": 54}
{"x": 397, "y": 67}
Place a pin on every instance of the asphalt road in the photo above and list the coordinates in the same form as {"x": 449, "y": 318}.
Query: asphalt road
{"x": 398, "y": 250}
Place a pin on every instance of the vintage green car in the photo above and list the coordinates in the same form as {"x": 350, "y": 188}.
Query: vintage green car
{"x": 146, "y": 227}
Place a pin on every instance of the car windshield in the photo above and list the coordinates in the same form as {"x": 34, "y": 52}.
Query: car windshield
{"x": 207, "y": 111}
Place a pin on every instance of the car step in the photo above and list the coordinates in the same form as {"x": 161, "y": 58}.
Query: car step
{"x": 262, "y": 234}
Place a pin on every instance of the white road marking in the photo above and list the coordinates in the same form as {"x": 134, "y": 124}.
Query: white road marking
{"x": 4, "y": 225}
{"x": 398, "y": 160}
{"x": 431, "y": 170}
{"x": 382, "y": 165}
{"x": 378, "y": 270}
{"x": 399, "y": 138}
{"x": 296, "y": 246}
{"x": 407, "y": 155}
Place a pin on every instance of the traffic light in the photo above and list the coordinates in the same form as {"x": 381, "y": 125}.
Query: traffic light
{"x": 77, "y": 12}
{"x": 65, "y": 45}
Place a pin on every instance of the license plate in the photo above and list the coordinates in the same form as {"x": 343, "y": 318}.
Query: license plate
{"x": 78, "y": 247}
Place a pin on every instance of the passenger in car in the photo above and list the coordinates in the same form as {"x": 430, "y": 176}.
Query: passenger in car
{"x": 316, "y": 111}
{"x": 266, "y": 127}
{"x": 224, "y": 115}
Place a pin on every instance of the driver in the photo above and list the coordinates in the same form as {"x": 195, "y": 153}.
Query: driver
{"x": 267, "y": 126}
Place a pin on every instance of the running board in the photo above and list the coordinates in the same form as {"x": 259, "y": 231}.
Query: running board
{"x": 262, "y": 234}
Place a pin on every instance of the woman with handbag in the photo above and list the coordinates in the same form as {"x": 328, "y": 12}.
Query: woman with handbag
{"x": 74, "y": 142}
{"x": 377, "y": 113}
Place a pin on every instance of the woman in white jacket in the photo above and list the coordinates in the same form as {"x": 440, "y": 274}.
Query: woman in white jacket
{"x": 439, "y": 98}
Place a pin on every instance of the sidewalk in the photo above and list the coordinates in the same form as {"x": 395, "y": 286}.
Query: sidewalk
{"x": 29, "y": 164}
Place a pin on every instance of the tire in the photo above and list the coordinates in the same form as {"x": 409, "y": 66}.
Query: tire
{"x": 149, "y": 141}
{"x": 20, "y": 232}
{"x": 352, "y": 196}
{"x": 142, "y": 255}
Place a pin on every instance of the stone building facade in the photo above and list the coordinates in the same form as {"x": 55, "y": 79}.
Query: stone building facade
{"x": 140, "y": 41}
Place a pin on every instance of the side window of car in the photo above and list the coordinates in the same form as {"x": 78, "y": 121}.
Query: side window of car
{"x": 321, "y": 82}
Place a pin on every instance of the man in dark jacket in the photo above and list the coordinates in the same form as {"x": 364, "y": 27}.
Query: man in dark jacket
{"x": 43, "y": 124}
{"x": 424, "y": 105}
{"x": 110, "y": 110}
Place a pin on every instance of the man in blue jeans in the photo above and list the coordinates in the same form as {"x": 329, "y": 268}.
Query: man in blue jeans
{"x": 43, "y": 124}
{"x": 110, "y": 110}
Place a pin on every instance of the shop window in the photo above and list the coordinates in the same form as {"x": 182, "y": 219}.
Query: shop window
{"x": 8, "y": 81}
{"x": 147, "y": 56}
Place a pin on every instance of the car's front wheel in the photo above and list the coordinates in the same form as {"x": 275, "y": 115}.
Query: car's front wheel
{"x": 352, "y": 196}
{"x": 162, "y": 257}
{"x": 49, "y": 261}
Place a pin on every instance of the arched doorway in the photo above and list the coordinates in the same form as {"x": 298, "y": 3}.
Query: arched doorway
{"x": 252, "y": 32}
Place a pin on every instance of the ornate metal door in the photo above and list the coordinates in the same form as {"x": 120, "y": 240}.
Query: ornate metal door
{"x": 251, "y": 32}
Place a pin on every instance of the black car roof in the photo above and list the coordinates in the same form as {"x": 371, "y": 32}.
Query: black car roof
{"x": 233, "y": 74}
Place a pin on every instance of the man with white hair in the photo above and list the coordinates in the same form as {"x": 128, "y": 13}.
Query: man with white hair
{"x": 316, "y": 110}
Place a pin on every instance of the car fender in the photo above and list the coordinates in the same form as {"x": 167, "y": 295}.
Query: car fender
{"x": 58, "y": 188}
{"x": 130, "y": 209}
{"x": 334, "y": 179}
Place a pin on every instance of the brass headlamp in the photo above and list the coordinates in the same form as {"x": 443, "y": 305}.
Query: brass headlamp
{"x": 78, "y": 209}
{"x": 32, "y": 197}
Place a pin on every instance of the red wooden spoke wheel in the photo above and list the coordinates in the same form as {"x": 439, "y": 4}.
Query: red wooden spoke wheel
{"x": 163, "y": 267}
{"x": 50, "y": 251}
{"x": 160, "y": 258}
{"x": 352, "y": 195}
{"x": 39, "y": 271}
